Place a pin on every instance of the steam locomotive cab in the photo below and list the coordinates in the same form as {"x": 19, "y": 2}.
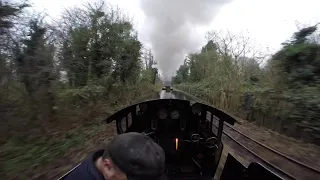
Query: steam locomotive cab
{"x": 190, "y": 134}
{"x": 183, "y": 130}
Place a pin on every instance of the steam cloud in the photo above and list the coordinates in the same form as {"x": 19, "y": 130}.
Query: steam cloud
{"x": 172, "y": 28}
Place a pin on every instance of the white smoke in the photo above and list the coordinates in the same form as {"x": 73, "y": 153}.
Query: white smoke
{"x": 171, "y": 27}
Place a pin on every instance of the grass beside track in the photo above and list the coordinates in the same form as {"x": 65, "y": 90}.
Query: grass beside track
{"x": 71, "y": 135}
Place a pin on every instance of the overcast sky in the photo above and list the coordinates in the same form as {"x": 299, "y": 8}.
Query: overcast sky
{"x": 269, "y": 22}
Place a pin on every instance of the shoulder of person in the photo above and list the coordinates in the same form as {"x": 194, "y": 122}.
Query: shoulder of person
{"x": 82, "y": 172}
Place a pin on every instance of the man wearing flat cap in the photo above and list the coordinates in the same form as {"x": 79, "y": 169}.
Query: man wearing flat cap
{"x": 129, "y": 156}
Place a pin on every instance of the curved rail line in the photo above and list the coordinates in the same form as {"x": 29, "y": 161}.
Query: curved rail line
{"x": 279, "y": 170}
{"x": 277, "y": 152}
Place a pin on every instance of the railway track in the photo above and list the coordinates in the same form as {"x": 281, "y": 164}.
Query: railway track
{"x": 248, "y": 148}
{"x": 286, "y": 167}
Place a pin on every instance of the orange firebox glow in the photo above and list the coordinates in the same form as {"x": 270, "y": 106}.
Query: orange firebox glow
{"x": 177, "y": 142}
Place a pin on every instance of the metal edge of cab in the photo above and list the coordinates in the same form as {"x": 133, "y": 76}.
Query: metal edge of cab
{"x": 66, "y": 174}
{"x": 222, "y": 115}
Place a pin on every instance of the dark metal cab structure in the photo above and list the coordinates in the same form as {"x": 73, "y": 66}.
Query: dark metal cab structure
{"x": 191, "y": 136}
{"x": 183, "y": 129}
{"x": 172, "y": 123}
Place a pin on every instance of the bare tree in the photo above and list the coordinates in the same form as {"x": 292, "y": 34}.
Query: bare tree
{"x": 236, "y": 46}
{"x": 148, "y": 58}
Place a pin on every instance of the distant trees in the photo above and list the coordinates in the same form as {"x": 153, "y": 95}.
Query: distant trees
{"x": 90, "y": 46}
{"x": 226, "y": 59}
{"x": 58, "y": 77}
{"x": 283, "y": 94}
{"x": 150, "y": 73}
{"x": 34, "y": 66}
{"x": 182, "y": 73}
{"x": 8, "y": 17}
{"x": 97, "y": 43}
{"x": 9, "y": 12}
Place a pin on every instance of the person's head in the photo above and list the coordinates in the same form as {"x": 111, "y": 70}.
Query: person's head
{"x": 132, "y": 156}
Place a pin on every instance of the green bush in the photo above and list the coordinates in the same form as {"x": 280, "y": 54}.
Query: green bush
{"x": 81, "y": 96}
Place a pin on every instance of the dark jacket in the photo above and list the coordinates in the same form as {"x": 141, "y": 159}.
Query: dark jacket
{"x": 87, "y": 169}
